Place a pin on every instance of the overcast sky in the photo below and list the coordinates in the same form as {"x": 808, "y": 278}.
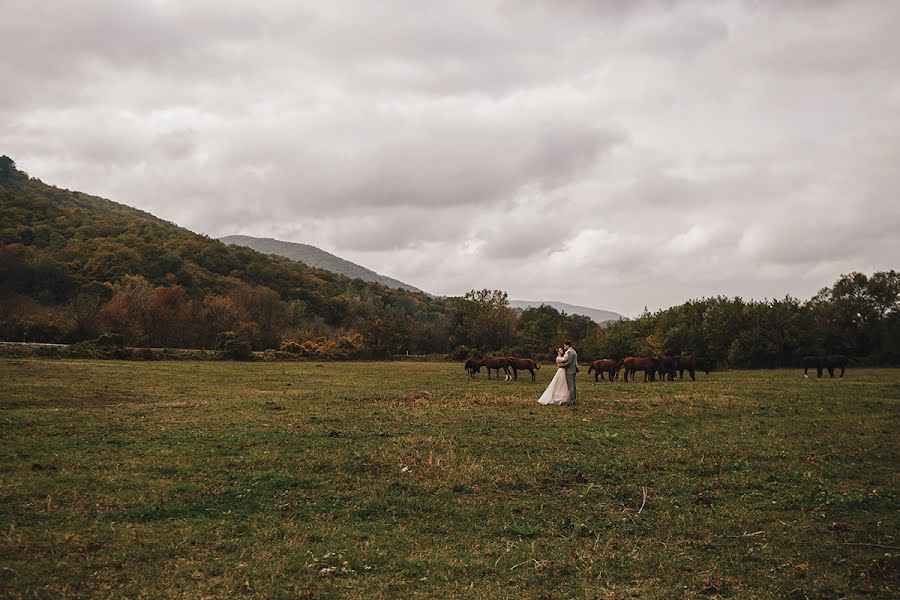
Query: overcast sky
{"x": 613, "y": 154}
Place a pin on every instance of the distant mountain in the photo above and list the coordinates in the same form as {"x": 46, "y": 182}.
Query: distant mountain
{"x": 599, "y": 316}
{"x": 315, "y": 257}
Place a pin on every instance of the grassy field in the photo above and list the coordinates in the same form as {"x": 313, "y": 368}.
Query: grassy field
{"x": 301, "y": 480}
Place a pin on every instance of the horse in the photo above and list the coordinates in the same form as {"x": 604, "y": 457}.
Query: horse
{"x": 812, "y": 362}
{"x": 604, "y": 365}
{"x": 833, "y": 361}
{"x": 648, "y": 364}
{"x": 522, "y": 364}
{"x": 667, "y": 367}
{"x": 473, "y": 366}
{"x": 496, "y": 363}
{"x": 830, "y": 362}
{"x": 689, "y": 363}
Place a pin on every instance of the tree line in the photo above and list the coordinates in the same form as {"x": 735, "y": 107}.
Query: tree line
{"x": 858, "y": 316}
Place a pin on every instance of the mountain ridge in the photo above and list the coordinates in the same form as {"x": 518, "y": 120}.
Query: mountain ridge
{"x": 316, "y": 257}
{"x": 596, "y": 314}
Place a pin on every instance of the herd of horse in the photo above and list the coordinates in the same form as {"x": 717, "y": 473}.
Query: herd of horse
{"x": 665, "y": 367}
{"x": 606, "y": 368}
{"x": 507, "y": 363}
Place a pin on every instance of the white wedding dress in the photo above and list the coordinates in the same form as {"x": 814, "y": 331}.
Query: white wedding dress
{"x": 558, "y": 390}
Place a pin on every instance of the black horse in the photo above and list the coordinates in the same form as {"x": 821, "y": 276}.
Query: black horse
{"x": 830, "y": 362}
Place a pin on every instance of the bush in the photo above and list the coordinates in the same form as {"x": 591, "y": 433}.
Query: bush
{"x": 276, "y": 355}
{"x": 109, "y": 340}
{"x": 291, "y": 346}
{"x": 343, "y": 347}
{"x": 234, "y": 346}
{"x": 90, "y": 349}
{"x": 462, "y": 353}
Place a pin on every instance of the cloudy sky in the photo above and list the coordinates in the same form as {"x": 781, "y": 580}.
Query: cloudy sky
{"x": 613, "y": 154}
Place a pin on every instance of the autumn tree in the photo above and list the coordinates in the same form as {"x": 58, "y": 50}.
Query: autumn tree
{"x": 483, "y": 320}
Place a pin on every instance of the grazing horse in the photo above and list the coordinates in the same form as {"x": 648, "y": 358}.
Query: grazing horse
{"x": 830, "y": 362}
{"x": 473, "y": 367}
{"x": 834, "y": 361}
{"x": 812, "y": 362}
{"x": 689, "y": 363}
{"x": 648, "y": 364}
{"x": 522, "y": 364}
{"x": 496, "y": 363}
{"x": 667, "y": 367}
{"x": 604, "y": 365}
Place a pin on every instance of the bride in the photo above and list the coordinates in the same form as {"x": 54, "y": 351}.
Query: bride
{"x": 558, "y": 390}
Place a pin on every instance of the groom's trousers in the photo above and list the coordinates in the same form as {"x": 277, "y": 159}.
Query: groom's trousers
{"x": 570, "y": 379}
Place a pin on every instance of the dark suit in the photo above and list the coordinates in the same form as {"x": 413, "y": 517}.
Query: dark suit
{"x": 571, "y": 365}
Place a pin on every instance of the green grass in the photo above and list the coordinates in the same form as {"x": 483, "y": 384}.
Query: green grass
{"x": 286, "y": 480}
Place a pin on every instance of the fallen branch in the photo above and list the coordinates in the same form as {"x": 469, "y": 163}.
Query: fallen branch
{"x": 644, "y": 500}
{"x": 745, "y": 534}
{"x": 873, "y": 545}
{"x": 536, "y": 564}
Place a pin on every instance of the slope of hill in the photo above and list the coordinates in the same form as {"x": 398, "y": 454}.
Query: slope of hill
{"x": 74, "y": 265}
{"x": 598, "y": 315}
{"x": 315, "y": 257}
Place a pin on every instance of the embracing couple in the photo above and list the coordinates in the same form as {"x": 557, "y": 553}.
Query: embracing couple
{"x": 562, "y": 387}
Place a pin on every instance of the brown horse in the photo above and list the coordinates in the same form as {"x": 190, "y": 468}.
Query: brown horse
{"x": 522, "y": 364}
{"x": 648, "y": 364}
{"x": 604, "y": 365}
{"x": 473, "y": 367}
{"x": 496, "y": 363}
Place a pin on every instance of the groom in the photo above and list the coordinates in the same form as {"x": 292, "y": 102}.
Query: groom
{"x": 571, "y": 365}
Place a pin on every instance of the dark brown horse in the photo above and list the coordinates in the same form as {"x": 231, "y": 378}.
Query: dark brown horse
{"x": 604, "y": 365}
{"x": 522, "y": 364}
{"x": 690, "y": 364}
{"x": 473, "y": 367}
{"x": 667, "y": 367}
{"x": 496, "y": 363}
{"x": 648, "y": 364}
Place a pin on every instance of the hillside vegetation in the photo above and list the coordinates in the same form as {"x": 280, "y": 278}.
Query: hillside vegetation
{"x": 73, "y": 266}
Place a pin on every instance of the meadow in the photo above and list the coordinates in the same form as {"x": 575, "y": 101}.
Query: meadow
{"x": 402, "y": 480}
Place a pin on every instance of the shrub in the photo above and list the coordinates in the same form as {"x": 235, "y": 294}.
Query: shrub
{"x": 291, "y": 346}
{"x": 233, "y": 345}
{"x": 109, "y": 340}
{"x": 462, "y": 353}
{"x": 342, "y": 347}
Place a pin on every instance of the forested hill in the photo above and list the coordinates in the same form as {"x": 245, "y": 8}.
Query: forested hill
{"x": 315, "y": 257}
{"x": 74, "y": 265}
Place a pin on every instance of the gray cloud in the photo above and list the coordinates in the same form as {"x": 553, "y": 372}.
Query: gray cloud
{"x": 615, "y": 154}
